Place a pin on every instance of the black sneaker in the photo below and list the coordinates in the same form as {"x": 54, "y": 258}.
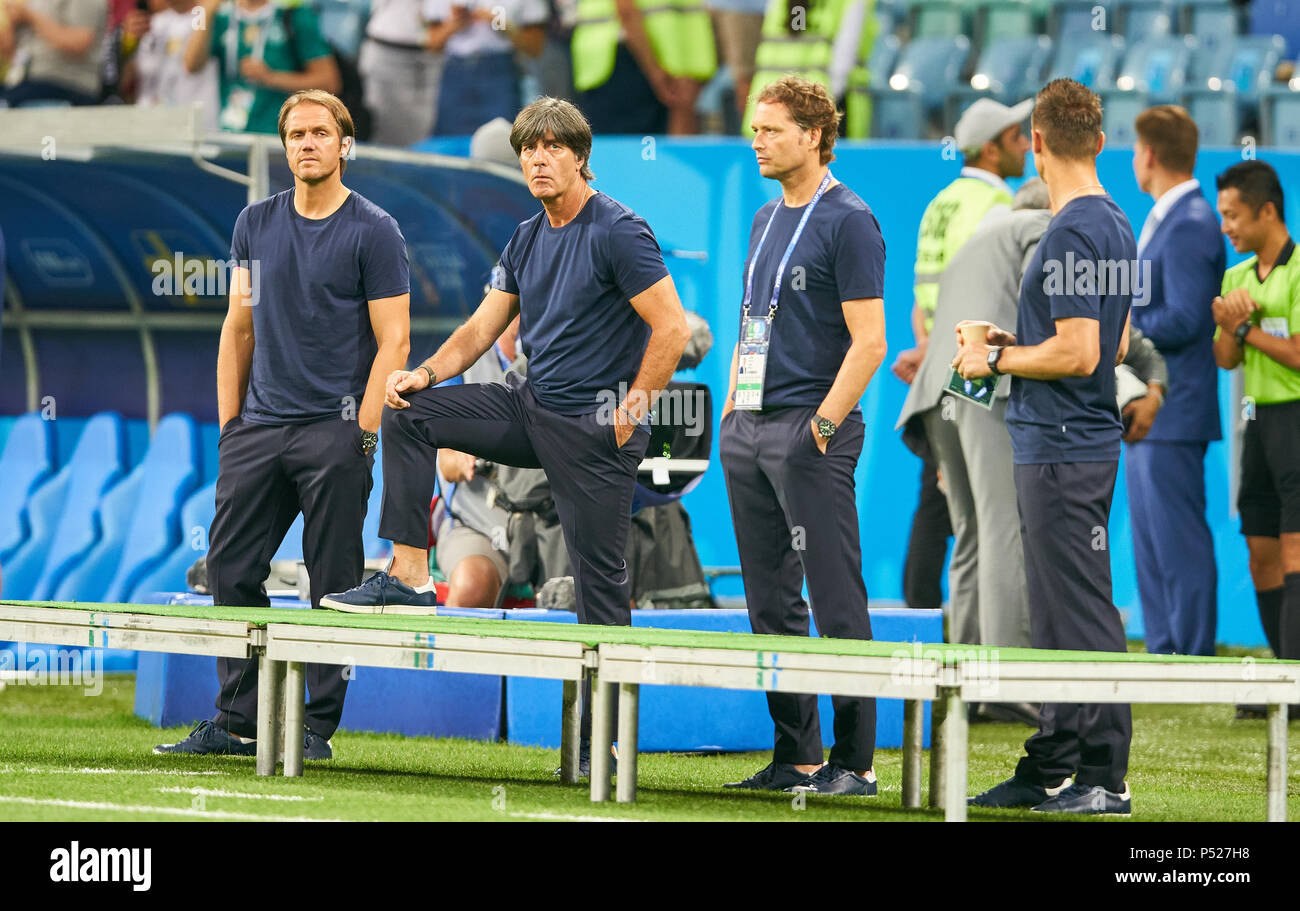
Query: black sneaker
{"x": 833, "y": 779}
{"x": 314, "y": 746}
{"x": 383, "y": 594}
{"x": 1088, "y": 800}
{"x": 584, "y": 759}
{"x": 207, "y": 738}
{"x": 1015, "y": 792}
{"x": 775, "y": 776}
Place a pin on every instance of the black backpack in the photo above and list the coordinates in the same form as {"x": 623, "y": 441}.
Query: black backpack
{"x": 350, "y": 91}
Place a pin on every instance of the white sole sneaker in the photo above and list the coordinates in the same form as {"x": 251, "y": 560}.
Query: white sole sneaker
{"x": 380, "y": 609}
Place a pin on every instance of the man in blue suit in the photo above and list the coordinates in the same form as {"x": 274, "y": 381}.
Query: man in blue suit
{"x": 1165, "y": 461}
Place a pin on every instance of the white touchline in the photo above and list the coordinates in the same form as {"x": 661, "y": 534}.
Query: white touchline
{"x": 54, "y": 771}
{"x": 209, "y": 792}
{"x": 567, "y": 817}
{"x": 166, "y": 811}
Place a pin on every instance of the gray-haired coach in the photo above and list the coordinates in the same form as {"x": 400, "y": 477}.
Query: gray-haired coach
{"x": 812, "y": 333}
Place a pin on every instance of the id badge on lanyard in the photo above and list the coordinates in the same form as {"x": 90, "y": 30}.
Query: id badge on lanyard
{"x": 756, "y": 331}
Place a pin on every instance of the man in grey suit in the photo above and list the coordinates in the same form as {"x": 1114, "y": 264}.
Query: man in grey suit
{"x": 986, "y": 576}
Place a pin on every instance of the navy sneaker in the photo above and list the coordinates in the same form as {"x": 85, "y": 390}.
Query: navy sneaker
{"x": 1088, "y": 800}
{"x": 383, "y": 594}
{"x": 775, "y": 776}
{"x": 207, "y": 738}
{"x": 833, "y": 779}
{"x": 1016, "y": 792}
{"x": 314, "y": 746}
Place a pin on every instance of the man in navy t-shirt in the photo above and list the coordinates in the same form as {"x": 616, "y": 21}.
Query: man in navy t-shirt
{"x": 1065, "y": 427}
{"x": 319, "y": 317}
{"x": 603, "y": 330}
{"x": 812, "y": 333}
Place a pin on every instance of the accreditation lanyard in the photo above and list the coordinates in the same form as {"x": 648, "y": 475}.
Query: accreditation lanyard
{"x": 756, "y": 331}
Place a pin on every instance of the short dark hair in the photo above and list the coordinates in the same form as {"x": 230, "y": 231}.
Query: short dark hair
{"x": 561, "y": 119}
{"x": 1256, "y": 183}
{"x": 810, "y": 106}
{"x": 1068, "y": 114}
{"x": 1171, "y": 133}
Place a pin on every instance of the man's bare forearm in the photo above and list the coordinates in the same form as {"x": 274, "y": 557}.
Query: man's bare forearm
{"x": 662, "y": 355}
{"x": 1054, "y": 359}
{"x": 860, "y": 364}
{"x": 465, "y": 346}
{"x": 1284, "y": 351}
{"x": 234, "y": 359}
{"x": 388, "y": 358}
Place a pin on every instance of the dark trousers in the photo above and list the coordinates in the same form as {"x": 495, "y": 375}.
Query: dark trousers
{"x": 1173, "y": 550}
{"x": 266, "y": 476}
{"x": 927, "y": 544}
{"x": 625, "y": 103}
{"x": 796, "y": 517}
{"x": 1064, "y": 511}
{"x": 592, "y": 479}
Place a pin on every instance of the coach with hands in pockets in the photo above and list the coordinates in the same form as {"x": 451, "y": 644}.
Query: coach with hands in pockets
{"x": 812, "y": 333}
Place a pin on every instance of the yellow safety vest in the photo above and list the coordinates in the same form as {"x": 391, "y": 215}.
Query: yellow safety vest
{"x": 786, "y": 49}
{"x": 949, "y": 221}
{"x": 680, "y": 33}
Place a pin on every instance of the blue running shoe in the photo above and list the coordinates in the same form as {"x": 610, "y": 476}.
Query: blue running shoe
{"x": 207, "y": 738}
{"x": 383, "y": 594}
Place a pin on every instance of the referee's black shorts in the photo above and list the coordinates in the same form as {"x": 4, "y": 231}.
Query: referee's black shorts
{"x": 1269, "y": 497}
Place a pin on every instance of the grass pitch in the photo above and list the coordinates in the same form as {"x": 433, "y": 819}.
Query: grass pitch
{"x": 67, "y": 756}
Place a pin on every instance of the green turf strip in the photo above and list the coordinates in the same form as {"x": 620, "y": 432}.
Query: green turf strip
{"x": 624, "y": 635}
{"x": 67, "y": 754}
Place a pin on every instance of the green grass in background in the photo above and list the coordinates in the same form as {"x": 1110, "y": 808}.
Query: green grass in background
{"x": 93, "y": 755}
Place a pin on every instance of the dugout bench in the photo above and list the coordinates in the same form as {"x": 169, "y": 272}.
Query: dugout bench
{"x": 620, "y": 660}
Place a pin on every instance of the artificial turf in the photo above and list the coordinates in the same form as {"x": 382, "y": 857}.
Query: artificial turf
{"x": 66, "y": 755}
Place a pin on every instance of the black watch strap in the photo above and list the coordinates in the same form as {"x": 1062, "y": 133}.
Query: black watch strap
{"x": 369, "y": 441}
{"x": 1241, "y": 332}
{"x": 995, "y": 355}
{"x": 825, "y": 426}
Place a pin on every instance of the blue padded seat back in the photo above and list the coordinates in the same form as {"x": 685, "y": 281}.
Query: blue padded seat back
{"x": 170, "y": 474}
{"x": 22, "y": 568}
{"x": 196, "y": 520}
{"x": 28, "y": 460}
{"x": 97, "y": 462}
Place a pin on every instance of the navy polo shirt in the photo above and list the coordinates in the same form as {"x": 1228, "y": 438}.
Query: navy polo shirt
{"x": 840, "y": 257}
{"x": 1075, "y": 272}
{"x": 312, "y": 280}
{"x": 576, "y": 325}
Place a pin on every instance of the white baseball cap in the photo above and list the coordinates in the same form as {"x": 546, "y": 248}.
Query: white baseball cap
{"x": 985, "y": 120}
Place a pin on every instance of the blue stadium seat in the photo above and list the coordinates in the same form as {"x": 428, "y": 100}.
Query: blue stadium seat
{"x": 1280, "y": 118}
{"x": 27, "y": 461}
{"x": 897, "y": 114}
{"x": 1156, "y": 67}
{"x": 1091, "y": 59}
{"x": 196, "y": 519}
{"x": 884, "y": 54}
{"x": 1251, "y": 62}
{"x": 1216, "y": 114}
{"x": 1212, "y": 23}
{"x": 138, "y": 517}
{"x": 23, "y": 567}
{"x": 343, "y": 23}
{"x": 1000, "y": 19}
{"x": 939, "y": 18}
{"x": 1142, "y": 19}
{"x": 1012, "y": 67}
{"x": 1073, "y": 19}
{"x": 170, "y": 475}
{"x": 1119, "y": 113}
{"x": 97, "y": 463}
{"x": 929, "y": 66}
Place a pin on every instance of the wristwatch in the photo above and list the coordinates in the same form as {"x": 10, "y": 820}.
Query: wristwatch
{"x": 1241, "y": 332}
{"x": 825, "y": 427}
{"x": 369, "y": 441}
{"x": 995, "y": 355}
{"x": 433, "y": 379}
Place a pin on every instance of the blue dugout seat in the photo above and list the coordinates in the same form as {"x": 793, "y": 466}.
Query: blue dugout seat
{"x": 28, "y": 460}
{"x": 196, "y": 520}
{"x": 1156, "y": 67}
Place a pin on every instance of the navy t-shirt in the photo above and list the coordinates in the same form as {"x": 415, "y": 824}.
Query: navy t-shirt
{"x": 576, "y": 325}
{"x": 1075, "y": 272}
{"x": 840, "y": 257}
{"x": 312, "y": 278}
